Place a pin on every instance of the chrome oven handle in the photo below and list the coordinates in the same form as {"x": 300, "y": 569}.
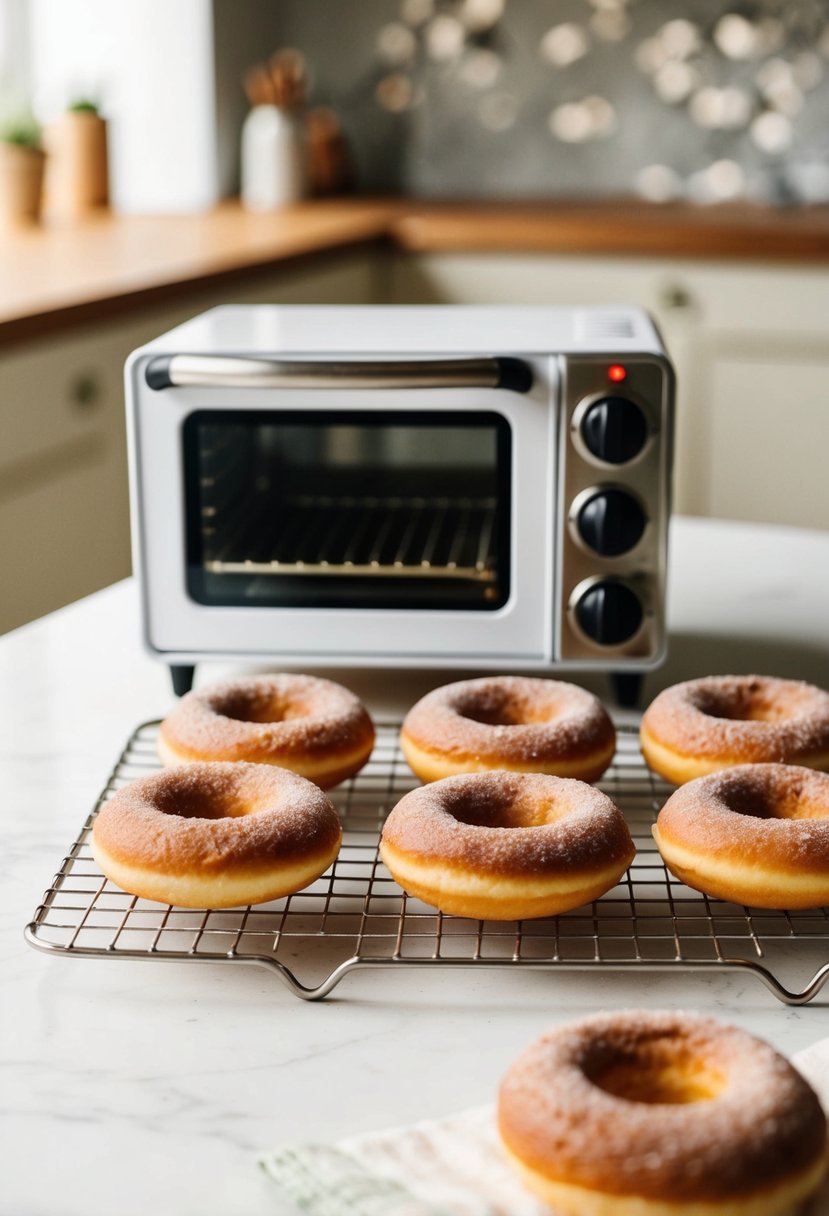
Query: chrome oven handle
{"x": 219, "y": 371}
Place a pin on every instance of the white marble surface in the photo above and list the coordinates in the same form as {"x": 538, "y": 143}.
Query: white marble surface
{"x": 135, "y": 1088}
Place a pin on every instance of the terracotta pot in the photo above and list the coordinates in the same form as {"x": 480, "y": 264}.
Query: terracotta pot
{"x": 21, "y": 184}
{"x": 76, "y": 174}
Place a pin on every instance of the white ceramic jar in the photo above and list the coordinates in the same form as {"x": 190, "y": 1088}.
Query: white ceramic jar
{"x": 273, "y": 158}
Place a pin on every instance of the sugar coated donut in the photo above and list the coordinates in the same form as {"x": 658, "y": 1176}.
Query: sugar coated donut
{"x": 508, "y": 722}
{"x": 704, "y": 725}
{"x": 311, "y": 726}
{"x": 506, "y": 846}
{"x": 757, "y": 834}
{"x": 661, "y": 1114}
{"x": 216, "y": 835}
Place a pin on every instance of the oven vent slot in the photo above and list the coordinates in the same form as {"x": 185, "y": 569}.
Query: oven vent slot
{"x": 596, "y": 327}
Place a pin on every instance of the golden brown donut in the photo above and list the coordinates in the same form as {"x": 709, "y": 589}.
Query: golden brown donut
{"x": 313, "y": 727}
{"x": 509, "y": 723}
{"x": 704, "y": 725}
{"x": 216, "y": 835}
{"x": 661, "y": 1114}
{"x": 506, "y": 846}
{"x": 757, "y": 834}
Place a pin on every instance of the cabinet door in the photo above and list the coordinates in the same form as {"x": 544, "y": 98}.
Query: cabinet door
{"x": 65, "y": 534}
{"x": 765, "y": 435}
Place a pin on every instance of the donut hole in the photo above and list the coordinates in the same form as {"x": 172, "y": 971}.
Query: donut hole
{"x": 510, "y": 812}
{"x": 194, "y": 803}
{"x": 263, "y": 708}
{"x": 503, "y": 715}
{"x": 769, "y": 799}
{"x": 498, "y": 710}
{"x": 659, "y": 1071}
{"x": 751, "y": 702}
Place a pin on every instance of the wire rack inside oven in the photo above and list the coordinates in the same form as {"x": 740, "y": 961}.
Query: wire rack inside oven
{"x": 357, "y": 916}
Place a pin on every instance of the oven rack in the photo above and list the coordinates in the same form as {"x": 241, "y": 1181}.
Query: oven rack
{"x": 370, "y": 536}
{"x": 356, "y": 916}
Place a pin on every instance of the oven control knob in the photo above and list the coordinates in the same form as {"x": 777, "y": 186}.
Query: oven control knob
{"x": 611, "y": 522}
{"x": 614, "y": 429}
{"x": 609, "y": 613}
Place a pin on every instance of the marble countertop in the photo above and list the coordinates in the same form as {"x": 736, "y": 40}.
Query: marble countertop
{"x": 137, "y": 1088}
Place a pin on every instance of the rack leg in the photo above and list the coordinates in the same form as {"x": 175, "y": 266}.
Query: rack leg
{"x": 627, "y": 688}
{"x": 182, "y": 677}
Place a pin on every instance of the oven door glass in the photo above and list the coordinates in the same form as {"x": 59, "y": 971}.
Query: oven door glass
{"x": 348, "y": 509}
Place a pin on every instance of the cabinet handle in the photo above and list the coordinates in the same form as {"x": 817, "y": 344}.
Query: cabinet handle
{"x": 85, "y": 392}
{"x": 675, "y": 297}
{"x": 215, "y": 371}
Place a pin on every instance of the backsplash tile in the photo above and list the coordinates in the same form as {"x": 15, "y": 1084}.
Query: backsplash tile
{"x": 519, "y": 98}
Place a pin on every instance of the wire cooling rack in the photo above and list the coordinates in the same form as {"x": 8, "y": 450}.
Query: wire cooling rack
{"x": 357, "y": 916}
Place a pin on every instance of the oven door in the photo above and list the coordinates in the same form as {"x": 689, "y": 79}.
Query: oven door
{"x": 347, "y": 523}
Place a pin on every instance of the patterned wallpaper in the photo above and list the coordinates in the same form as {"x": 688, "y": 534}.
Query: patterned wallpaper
{"x": 519, "y": 98}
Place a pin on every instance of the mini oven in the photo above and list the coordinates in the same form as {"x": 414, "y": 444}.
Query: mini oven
{"x": 441, "y": 486}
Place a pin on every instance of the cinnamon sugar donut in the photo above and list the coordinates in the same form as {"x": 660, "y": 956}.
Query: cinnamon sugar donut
{"x": 757, "y": 835}
{"x": 216, "y": 835}
{"x": 661, "y": 1114}
{"x": 506, "y": 846}
{"x": 704, "y": 725}
{"x": 313, "y": 727}
{"x": 510, "y": 723}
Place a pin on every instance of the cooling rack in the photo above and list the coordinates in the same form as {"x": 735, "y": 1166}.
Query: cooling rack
{"x": 356, "y": 915}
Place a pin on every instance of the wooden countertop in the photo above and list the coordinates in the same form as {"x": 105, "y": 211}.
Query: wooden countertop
{"x": 51, "y": 277}
{"x": 621, "y": 227}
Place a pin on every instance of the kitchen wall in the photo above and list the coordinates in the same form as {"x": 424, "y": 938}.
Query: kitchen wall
{"x": 708, "y": 100}
{"x": 148, "y": 63}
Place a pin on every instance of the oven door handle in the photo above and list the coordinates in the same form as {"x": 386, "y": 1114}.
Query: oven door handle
{"x": 219, "y": 371}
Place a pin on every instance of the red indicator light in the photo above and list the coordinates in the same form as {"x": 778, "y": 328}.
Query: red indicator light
{"x": 616, "y": 373}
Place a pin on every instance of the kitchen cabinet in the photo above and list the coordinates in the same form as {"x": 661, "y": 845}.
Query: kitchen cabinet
{"x": 751, "y": 347}
{"x": 64, "y": 510}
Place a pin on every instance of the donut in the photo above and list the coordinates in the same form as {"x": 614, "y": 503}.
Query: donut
{"x": 216, "y": 835}
{"x": 704, "y": 725}
{"x": 313, "y": 727}
{"x": 508, "y": 723}
{"x": 756, "y": 835}
{"x": 506, "y": 846}
{"x": 661, "y": 1114}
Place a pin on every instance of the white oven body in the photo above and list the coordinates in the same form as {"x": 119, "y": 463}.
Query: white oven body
{"x": 537, "y": 627}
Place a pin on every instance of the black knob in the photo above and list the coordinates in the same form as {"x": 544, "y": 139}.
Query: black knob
{"x": 609, "y": 613}
{"x": 614, "y": 429}
{"x": 611, "y": 522}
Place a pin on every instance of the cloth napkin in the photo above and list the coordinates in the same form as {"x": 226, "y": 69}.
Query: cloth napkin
{"x": 443, "y": 1167}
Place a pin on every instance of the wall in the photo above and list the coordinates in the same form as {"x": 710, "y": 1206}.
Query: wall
{"x": 149, "y": 65}
{"x": 479, "y": 97}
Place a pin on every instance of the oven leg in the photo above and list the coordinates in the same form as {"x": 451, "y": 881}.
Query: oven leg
{"x": 627, "y": 688}
{"x": 182, "y": 678}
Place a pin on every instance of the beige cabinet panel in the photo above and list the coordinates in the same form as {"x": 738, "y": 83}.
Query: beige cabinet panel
{"x": 767, "y": 439}
{"x": 53, "y": 392}
{"x": 65, "y": 536}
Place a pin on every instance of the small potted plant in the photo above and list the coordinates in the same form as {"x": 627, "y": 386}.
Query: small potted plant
{"x": 77, "y": 175}
{"x": 21, "y": 171}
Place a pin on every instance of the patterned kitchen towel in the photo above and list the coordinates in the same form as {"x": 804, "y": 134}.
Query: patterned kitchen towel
{"x": 443, "y": 1167}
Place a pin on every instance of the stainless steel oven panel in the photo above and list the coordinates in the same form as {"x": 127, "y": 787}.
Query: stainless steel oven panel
{"x": 644, "y": 479}
{"x": 175, "y": 625}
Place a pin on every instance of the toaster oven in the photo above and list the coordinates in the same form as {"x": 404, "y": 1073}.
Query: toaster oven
{"x": 446, "y": 485}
